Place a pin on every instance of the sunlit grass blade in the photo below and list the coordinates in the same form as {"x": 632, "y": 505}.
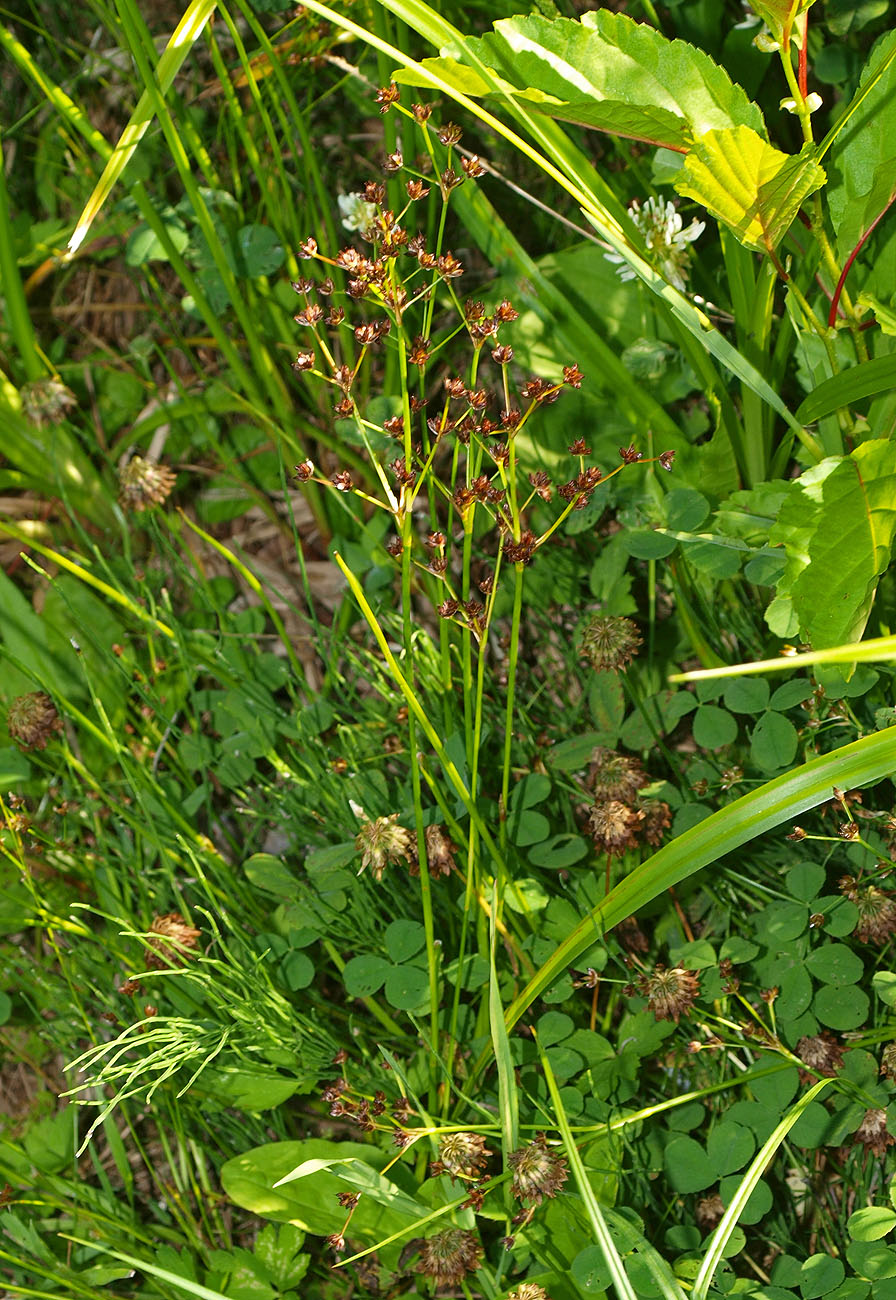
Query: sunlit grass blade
{"x": 508, "y": 1100}
{"x": 184, "y": 36}
{"x": 728, "y": 1223}
{"x": 875, "y": 650}
{"x": 143, "y": 1266}
{"x": 602, "y": 1235}
{"x": 870, "y": 759}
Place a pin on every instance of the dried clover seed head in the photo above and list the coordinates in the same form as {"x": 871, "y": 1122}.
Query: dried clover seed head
{"x": 537, "y": 1171}
{"x": 670, "y": 993}
{"x": 609, "y": 642}
{"x": 45, "y": 401}
{"x": 873, "y": 1134}
{"x": 143, "y": 483}
{"x": 448, "y": 1256}
{"x": 822, "y": 1053}
{"x": 615, "y": 776}
{"x": 877, "y": 910}
{"x": 888, "y": 1061}
{"x": 529, "y": 1291}
{"x": 709, "y": 1211}
{"x": 382, "y": 843}
{"x": 463, "y": 1155}
{"x": 32, "y": 720}
{"x": 614, "y": 826}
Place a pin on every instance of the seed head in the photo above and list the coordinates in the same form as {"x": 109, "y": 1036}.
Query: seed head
{"x": 45, "y": 401}
{"x": 382, "y": 843}
{"x": 872, "y": 1132}
{"x": 448, "y": 1256}
{"x": 387, "y": 96}
{"x": 143, "y": 483}
{"x": 537, "y": 1171}
{"x": 449, "y": 134}
{"x": 609, "y": 642}
{"x": 888, "y": 1061}
{"x": 440, "y": 850}
{"x": 670, "y": 993}
{"x": 709, "y": 1211}
{"x": 822, "y": 1053}
{"x": 529, "y": 1291}
{"x": 32, "y": 720}
{"x": 877, "y": 911}
{"x": 656, "y": 817}
{"x": 615, "y": 776}
{"x": 463, "y": 1155}
{"x": 172, "y": 942}
{"x": 614, "y": 825}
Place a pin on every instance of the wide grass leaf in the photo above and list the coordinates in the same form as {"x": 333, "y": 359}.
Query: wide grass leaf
{"x": 748, "y": 184}
{"x": 778, "y": 801}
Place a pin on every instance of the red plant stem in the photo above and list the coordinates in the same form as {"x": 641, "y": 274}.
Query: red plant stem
{"x": 802, "y": 61}
{"x": 835, "y": 301}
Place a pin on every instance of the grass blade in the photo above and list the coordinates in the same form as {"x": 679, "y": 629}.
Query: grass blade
{"x": 508, "y": 1100}
{"x": 602, "y": 1237}
{"x": 870, "y": 759}
{"x": 728, "y": 1223}
{"x": 182, "y": 40}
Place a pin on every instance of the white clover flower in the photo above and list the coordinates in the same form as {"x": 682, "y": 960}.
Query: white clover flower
{"x": 356, "y": 213}
{"x": 665, "y": 236}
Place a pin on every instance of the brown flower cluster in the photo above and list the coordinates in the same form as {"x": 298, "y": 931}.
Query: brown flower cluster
{"x": 32, "y": 720}
{"x": 447, "y": 1257}
{"x": 876, "y": 907}
{"x": 822, "y": 1053}
{"x": 670, "y": 992}
{"x": 609, "y": 642}
{"x": 462, "y": 1156}
{"x": 143, "y": 483}
{"x": 382, "y": 843}
{"x": 619, "y": 818}
{"x": 538, "y": 1171}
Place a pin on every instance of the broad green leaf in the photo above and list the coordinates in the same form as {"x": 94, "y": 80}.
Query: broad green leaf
{"x": 748, "y": 184}
{"x": 871, "y": 1223}
{"x": 359, "y": 1173}
{"x": 252, "y": 1181}
{"x": 850, "y": 545}
{"x": 864, "y": 380}
{"x": 862, "y": 158}
{"x": 606, "y": 72}
{"x": 847, "y": 16}
{"x": 883, "y": 314}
